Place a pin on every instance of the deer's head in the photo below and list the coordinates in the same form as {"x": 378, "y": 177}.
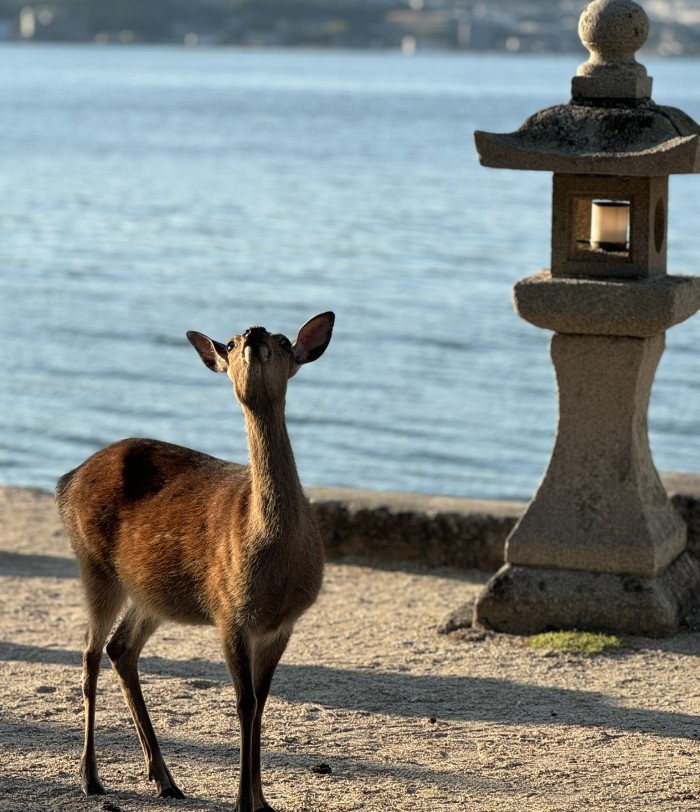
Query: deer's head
{"x": 260, "y": 363}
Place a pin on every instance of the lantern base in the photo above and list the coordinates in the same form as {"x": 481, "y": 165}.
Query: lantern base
{"x": 529, "y": 600}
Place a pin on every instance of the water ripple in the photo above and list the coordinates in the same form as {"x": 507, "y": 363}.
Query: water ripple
{"x": 154, "y": 190}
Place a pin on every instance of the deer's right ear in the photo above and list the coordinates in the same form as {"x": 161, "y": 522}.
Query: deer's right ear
{"x": 213, "y": 353}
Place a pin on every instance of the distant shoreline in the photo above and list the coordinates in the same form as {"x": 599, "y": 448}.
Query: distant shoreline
{"x": 574, "y": 53}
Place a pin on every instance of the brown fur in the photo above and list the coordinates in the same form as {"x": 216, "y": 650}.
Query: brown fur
{"x": 178, "y": 535}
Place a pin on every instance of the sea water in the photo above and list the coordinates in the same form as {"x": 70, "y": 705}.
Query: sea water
{"x": 147, "y": 191}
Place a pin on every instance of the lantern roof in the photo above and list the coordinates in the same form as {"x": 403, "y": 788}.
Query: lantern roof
{"x": 611, "y": 126}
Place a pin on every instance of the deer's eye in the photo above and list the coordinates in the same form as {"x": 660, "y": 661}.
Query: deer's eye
{"x": 230, "y": 346}
{"x": 285, "y": 343}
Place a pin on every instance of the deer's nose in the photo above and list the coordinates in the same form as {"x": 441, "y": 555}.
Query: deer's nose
{"x": 254, "y": 344}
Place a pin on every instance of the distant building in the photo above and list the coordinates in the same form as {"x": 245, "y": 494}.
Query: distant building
{"x": 538, "y": 26}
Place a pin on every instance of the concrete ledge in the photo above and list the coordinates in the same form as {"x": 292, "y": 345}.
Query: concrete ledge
{"x": 684, "y": 490}
{"x": 386, "y": 527}
{"x": 439, "y": 531}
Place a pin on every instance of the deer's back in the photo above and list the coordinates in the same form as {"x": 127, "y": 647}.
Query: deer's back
{"x": 159, "y": 517}
{"x": 173, "y": 526}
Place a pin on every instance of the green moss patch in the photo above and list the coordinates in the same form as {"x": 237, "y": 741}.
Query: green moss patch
{"x": 573, "y": 642}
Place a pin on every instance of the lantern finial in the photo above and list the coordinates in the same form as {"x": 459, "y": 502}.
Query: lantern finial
{"x": 612, "y": 31}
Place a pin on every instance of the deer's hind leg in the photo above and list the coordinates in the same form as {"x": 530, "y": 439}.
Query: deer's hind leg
{"x": 123, "y": 650}
{"x": 104, "y": 598}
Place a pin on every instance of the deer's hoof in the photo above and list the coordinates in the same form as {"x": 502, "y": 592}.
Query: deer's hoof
{"x": 171, "y": 792}
{"x": 92, "y": 785}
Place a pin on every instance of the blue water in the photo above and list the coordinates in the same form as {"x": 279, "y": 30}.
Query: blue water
{"x": 145, "y": 191}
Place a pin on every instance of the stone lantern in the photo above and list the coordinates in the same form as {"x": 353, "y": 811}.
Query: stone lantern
{"x": 600, "y": 546}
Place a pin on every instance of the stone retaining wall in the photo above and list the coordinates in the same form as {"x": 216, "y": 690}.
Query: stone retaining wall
{"x": 445, "y": 531}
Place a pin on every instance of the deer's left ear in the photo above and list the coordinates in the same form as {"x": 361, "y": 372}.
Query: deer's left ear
{"x": 213, "y": 353}
{"x": 313, "y": 338}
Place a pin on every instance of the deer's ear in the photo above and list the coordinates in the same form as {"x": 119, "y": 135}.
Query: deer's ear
{"x": 213, "y": 353}
{"x": 313, "y": 338}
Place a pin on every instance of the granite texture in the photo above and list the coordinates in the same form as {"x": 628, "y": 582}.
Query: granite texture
{"x": 639, "y": 308}
{"x": 529, "y": 600}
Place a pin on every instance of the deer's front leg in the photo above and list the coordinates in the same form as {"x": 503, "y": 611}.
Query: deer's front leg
{"x": 238, "y": 658}
{"x": 266, "y": 657}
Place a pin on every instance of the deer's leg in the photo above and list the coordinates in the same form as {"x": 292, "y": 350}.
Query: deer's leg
{"x": 123, "y": 650}
{"x": 267, "y": 656}
{"x": 237, "y": 651}
{"x": 103, "y": 601}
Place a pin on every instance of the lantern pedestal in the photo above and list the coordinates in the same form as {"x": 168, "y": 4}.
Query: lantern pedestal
{"x": 600, "y": 545}
{"x": 601, "y": 506}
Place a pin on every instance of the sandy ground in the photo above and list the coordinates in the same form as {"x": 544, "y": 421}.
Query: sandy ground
{"x": 407, "y": 719}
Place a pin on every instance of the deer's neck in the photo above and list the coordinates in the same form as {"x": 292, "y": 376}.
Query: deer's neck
{"x": 277, "y": 496}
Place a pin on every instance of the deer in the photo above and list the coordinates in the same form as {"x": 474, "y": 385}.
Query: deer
{"x": 165, "y": 533}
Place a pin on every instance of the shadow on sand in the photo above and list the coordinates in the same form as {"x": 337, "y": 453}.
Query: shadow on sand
{"x": 447, "y": 698}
